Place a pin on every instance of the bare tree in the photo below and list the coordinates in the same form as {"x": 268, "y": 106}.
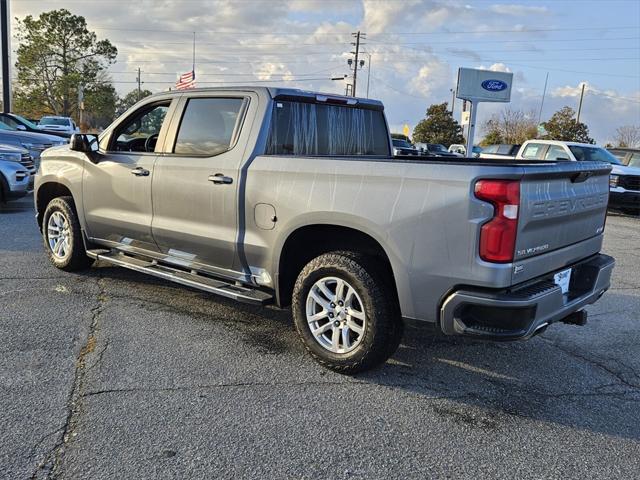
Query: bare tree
{"x": 511, "y": 126}
{"x": 628, "y": 136}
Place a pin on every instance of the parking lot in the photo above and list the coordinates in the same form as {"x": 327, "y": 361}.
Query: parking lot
{"x": 111, "y": 374}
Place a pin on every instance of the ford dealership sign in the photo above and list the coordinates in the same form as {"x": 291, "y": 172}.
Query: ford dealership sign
{"x": 484, "y": 85}
{"x": 494, "y": 85}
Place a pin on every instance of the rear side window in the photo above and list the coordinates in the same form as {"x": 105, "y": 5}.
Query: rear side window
{"x": 208, "y": 126}
{"x": 533, "y": 151}
{"x": 299, "y": 128}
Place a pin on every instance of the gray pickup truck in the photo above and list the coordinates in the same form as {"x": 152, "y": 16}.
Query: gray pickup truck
{"x": 270, "y": 195}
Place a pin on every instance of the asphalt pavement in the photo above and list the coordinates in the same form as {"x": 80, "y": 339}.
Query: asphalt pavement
{"x": 112, "y": 374}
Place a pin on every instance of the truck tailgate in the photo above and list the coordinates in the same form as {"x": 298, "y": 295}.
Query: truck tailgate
{"x": 561, "y": 205}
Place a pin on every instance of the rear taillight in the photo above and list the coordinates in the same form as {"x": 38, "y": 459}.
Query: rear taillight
{"x": 498, "y": 235}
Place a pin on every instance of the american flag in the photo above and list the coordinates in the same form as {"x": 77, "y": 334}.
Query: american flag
{"x": 186, "y": 80}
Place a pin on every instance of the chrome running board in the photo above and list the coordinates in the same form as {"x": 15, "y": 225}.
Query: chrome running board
{"x": 189, "y": 278}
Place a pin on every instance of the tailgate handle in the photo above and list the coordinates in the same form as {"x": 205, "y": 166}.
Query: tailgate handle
{"x": 581, "y": 177}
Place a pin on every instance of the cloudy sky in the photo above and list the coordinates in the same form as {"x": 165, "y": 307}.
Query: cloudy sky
{"x": 415, "y": 48}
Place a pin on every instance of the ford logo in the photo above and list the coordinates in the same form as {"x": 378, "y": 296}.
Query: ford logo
{"x": 494, "y": 85}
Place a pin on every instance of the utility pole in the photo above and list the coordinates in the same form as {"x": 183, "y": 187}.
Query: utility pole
{"x": 368, "y": 72}
{"x": 139, "y": 85}
{"x": 355, "y": 64}
{"x": 5, "y": 27}
{"x": 544, "y": 94}
{"x": 580, "y": 104}
{"x": 453, "y": 99}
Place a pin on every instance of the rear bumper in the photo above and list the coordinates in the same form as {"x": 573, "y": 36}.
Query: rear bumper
{"x": 518, "y": 313}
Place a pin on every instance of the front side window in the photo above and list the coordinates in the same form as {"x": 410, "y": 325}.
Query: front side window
{"x": 634, "y": 160}
{"x": 299, "y": 128}
{"x": 208, "y": 126}
{"x": 139, "y": 133}
{"x": 10, "y": 122}
{"x": 593, "y": 154}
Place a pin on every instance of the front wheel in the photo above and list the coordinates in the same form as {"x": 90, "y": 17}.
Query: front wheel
{"x": 345, "y": 312}
{"x": 63, "y": 237}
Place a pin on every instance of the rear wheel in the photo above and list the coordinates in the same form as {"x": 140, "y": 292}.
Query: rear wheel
{"x": 345, "y": 312}
{"x": 63, "y": 237}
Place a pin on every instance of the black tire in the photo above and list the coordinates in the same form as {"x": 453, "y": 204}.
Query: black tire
{"x": 383, "y": 330}
{"x": 76, "y": 258}
{"x": 4, "y": 190}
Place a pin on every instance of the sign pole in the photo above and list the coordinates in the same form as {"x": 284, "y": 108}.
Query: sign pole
{"x": 472, "y": 128}
{"x": 5, "y": 23}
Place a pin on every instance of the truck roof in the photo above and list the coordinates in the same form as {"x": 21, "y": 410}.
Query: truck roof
{"x": 284, "y": 93}
{"x": 561, "y": 143}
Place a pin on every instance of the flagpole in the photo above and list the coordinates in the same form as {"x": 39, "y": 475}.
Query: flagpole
{"x": 194, "y": 52}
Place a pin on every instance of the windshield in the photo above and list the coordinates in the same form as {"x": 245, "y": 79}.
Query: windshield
{"x": 436, "y": 147}
{"x": 24, "y": 121}
{"x": 593, "y": 154}
{"x": 401, "y": 143}
{"x": 54, "y": 121}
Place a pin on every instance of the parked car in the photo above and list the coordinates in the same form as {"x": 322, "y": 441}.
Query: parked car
{"x": 629, "y": 157}
{"x": 17, "y": 122}
{"x": 462, "y": 150}
{"x": 624, "y": 182}
{"x": 35, "y": 143}
{"x": 505, "y": 151}
{"x": 17, "y": 172}
{"x": 435, "y": 150}
{"x": 270, "y": 195}
{"x": 58, "y": 124}
{"x": 402, "y": 147}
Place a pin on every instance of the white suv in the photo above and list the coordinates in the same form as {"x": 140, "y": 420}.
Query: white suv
{"x": 624, "y": 181}
{"x": 58, "y": 124}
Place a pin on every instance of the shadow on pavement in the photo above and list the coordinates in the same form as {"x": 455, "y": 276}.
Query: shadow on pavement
{"x": 487, "y": 383}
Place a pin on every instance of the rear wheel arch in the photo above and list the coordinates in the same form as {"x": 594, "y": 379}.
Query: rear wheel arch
{"x": 309, "y": 241}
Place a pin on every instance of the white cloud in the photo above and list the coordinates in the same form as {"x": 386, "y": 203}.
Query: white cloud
{"x": 518, "y": 10}
{"x": 287, "y": 41}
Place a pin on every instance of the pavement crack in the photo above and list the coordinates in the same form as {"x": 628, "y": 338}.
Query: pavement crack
{"x": 48, "y": 466}
{"x": 618, "y": 375}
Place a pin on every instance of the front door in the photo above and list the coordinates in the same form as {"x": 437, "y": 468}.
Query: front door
{"x": 117, "y": 188}
{"x": 195, "y": 183}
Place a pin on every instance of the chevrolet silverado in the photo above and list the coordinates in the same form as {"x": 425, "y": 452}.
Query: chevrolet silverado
{"x": 273, "y": 195}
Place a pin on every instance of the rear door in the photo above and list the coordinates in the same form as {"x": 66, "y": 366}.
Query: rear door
{"x": 195, "y": 183}
{"x": 561, "y": 205}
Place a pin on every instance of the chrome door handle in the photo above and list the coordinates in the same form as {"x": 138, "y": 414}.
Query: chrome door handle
{"x": 220, "y": 179}
{"x": 140, "y": 172}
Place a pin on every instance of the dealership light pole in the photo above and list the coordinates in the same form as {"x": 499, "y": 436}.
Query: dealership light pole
{"x": 5, "y": 24}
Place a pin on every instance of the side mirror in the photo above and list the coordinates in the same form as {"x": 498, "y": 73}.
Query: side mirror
{"x": 21, "y": 127}
{"x": 84, "y": 143}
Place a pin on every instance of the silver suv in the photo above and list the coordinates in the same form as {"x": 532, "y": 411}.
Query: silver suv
{"x": 17, "y": 172}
